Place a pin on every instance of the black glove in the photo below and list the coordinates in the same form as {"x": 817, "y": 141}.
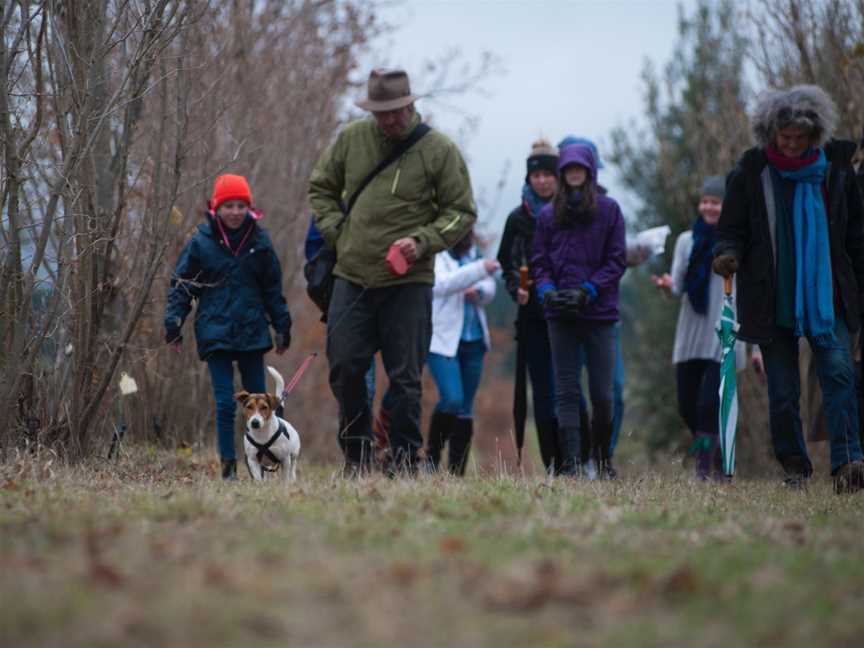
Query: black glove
{"x": 571, "y": 301}
{"x": 283, "y": 340}
{"x": 173, "y": 335}
{"x": 725, "y": 265}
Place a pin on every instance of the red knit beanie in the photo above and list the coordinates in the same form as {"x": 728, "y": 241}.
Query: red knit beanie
{"x": 230, "y": 187}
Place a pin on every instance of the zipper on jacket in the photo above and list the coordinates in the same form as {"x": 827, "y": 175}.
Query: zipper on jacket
{"x": 396, "y": 180}
{"x": 451, "y": 224}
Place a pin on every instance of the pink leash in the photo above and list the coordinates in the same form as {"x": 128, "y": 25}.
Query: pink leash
{"x": 298, "y": 375}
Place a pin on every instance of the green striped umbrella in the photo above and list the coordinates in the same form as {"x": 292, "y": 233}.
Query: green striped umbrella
{"x": 727, "y": 330}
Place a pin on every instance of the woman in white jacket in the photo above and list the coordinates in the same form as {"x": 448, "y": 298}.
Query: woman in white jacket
{"x": 460, "y": 339}
{"x": 696, "y": 354}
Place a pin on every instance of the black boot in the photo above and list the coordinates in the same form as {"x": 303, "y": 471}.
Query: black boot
{"x": 568, "y": 448}
{"x": 460, "y": 446}
{"x": 601, "y": 434}
{"x": 229, "y": 470}
{"x": 547, "y": 439}
{"x": 440, "y": 427}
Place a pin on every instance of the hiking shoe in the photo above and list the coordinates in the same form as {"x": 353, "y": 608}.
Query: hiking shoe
{"x": 229, "y": 470}
{"x": 849, "y": 478}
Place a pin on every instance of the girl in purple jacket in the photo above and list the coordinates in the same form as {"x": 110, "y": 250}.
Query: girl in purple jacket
{"x": 579, "y": 258}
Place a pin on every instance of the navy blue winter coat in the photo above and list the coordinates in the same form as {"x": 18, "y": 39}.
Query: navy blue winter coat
{"x": 238, "y": 296}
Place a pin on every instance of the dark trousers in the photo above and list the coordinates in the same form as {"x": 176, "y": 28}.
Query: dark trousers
{"x": 221, "y": 365}
{"x": 699, "y": 395}
{"x": 396, "y": 320}
{"x": 538, "y": 356}
{"x": 571, "y": 342}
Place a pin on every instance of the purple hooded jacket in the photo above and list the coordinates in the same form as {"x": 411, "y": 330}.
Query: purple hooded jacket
{"x": 591, "y": 255}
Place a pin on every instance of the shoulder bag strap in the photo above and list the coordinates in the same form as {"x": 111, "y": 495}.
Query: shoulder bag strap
{"x": 395, "y": 154}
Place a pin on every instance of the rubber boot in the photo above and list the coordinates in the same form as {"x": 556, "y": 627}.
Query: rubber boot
{"x": 229, "y": 470}
{"x": 547, "y": 439}
{"x": 704, "y": 451}
{"x": 440, "y": 427}
{"x": 602, "y": 439}
{"x": 568, "y": 448}
{"x": 460, "y": 446}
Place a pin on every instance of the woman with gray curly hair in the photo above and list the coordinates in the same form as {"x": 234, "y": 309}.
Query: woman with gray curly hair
{"x": 792, "y": 231}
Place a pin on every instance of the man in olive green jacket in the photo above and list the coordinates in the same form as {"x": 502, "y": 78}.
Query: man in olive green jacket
{"x": 419, "y": 205}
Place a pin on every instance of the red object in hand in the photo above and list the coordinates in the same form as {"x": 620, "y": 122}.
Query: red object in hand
{"x": 396, "y": 261}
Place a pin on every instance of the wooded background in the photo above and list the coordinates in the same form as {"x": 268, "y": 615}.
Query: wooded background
{"x": 115, "y": 117}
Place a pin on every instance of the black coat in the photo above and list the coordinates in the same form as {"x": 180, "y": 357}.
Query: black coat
{"x": 517, "y": 244}
{"x": 744, "y": 232}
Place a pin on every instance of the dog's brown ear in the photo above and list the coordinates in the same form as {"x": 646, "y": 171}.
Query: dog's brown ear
{"x": 241, "y": 396}
{"x": 273, "y": 401}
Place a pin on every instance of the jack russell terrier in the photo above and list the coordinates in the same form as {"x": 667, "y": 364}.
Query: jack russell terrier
{"x": 270, "y": 442}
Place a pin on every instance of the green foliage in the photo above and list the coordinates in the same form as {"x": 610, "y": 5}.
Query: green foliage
{"x": 696, "y": 126}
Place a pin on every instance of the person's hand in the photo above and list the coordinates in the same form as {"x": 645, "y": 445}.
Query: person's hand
{"x": 522, "y": 296}
{"x": 491, "y": 266}
{"x": 757, "y": 362}
{"x": 408, "y": 247}
{"x": 472, "y": 295}
{"x": 549, "y": 297}
{"x": 663, "y": 282}
{"x": 725, "y": 265}
{"x": 283, "y": 341}
{"x": 177, "y": 346}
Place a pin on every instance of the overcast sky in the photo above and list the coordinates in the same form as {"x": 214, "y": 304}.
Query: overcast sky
{"x": 569, "y": 67}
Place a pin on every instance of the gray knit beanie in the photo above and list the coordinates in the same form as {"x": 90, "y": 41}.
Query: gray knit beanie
{"x": 714, "y": 186}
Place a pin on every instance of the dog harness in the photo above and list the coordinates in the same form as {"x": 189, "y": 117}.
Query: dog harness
{"x": 264, "y": 448}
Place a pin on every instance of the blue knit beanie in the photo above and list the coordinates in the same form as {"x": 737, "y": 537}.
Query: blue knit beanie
{"x": 572, "y": 139}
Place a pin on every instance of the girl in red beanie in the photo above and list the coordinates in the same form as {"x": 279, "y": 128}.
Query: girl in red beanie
{"x": 230, "y": 268}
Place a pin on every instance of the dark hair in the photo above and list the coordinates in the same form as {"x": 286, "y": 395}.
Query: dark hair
{"x": 566, "y": 215}
{"x": 461, "y": 247}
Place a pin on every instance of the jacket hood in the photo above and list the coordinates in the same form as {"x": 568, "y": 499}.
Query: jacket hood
{"x": 578, "y": 154}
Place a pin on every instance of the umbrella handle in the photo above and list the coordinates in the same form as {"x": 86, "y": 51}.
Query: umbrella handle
{"x": 727, "y": 285}
{"x": 523, "y": 277}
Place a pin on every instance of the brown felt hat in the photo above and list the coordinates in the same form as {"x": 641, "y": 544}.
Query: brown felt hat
{"x": 387, "y": 90}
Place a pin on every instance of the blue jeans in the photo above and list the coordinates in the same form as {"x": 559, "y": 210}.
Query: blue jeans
{"x": 836, "y": 373}
{"x": 539, "y": 360}
{"x": 457, "y": 378}
{"x": 221, "y": 365}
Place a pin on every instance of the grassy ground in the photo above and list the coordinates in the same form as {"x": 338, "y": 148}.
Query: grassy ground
{"x": 156, "y": 551}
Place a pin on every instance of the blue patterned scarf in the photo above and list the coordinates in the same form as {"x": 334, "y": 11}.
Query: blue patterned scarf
{"x": 698, "y": 275}
{"x": 814, "y": 286}
{"x": 532, "y": 201}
